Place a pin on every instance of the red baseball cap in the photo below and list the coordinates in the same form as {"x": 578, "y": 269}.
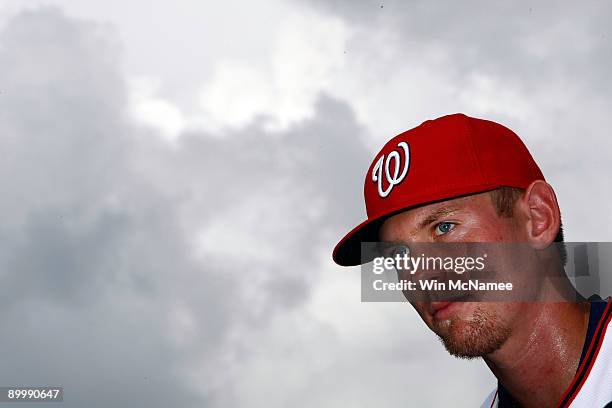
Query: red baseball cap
{"x": 444, "y": 158}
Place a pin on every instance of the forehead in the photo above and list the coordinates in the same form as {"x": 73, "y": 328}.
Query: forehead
{"x": 416, "y": 219}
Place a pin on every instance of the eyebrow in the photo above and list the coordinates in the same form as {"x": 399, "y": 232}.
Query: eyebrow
{"x": 436, "y": 215}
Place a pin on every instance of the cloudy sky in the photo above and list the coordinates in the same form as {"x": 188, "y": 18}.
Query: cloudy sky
{"x": 174, "y": 176}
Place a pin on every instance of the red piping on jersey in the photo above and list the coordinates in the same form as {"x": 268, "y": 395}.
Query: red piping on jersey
{"x": 494, "y": 398}
{"x": 589, "y": 360}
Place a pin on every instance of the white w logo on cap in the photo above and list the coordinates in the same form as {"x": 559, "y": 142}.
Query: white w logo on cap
{"x": 396, "y": 177}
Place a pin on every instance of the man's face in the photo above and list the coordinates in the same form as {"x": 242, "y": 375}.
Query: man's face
{"x": 467, "y": 329}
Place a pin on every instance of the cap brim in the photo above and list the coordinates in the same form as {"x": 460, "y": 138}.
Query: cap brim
{"x": 348, "y": 251}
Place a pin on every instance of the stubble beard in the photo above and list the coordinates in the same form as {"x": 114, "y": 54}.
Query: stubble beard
{"x": 483, "y": 333}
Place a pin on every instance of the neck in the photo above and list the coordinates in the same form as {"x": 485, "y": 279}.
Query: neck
{"x": 548, "y": 350}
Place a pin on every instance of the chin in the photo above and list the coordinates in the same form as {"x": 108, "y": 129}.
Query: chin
{"x": 477, "y": 336}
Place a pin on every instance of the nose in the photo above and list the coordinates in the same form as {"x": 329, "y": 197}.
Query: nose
{"x": 428, "y": 268}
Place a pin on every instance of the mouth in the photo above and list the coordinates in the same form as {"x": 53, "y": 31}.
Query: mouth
{"x": 444, "y": 310}
{"x": 437, "y": 307}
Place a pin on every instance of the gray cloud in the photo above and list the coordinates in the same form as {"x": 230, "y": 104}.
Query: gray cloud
{"x": 70, "y": 293}
{"x": 523, "y": 41}
{"x": 104, "y": 288}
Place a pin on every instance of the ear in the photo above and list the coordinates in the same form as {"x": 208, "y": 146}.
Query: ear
{"x": 539, "y": 204}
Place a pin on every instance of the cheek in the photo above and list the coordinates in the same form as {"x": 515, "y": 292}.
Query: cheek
{"x": 482, "y": 230}
{"x": 504, "y": 311}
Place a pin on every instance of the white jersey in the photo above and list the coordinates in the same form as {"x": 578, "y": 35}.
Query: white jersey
{"x": 592, "y": 384}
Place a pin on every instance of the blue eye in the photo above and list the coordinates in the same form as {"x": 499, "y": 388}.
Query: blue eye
{"x": 400, "y": 250}
{"x": 392, "y": 251}
{"x": 444, "y": 227}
